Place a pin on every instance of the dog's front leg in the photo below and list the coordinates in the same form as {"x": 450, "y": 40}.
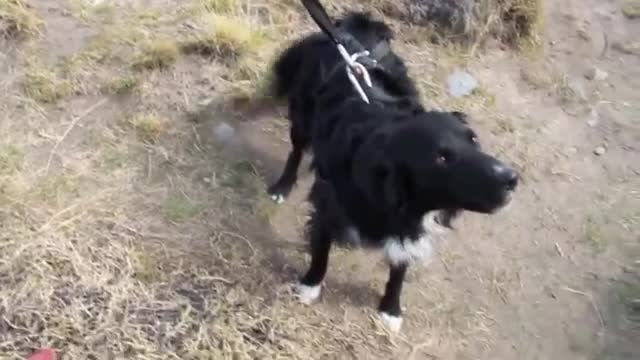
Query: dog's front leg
{"x": 311, "y": 284}
{"x": 390, "y": 310}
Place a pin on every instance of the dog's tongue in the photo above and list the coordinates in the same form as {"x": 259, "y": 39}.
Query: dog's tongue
{"x": 43, "y": 354}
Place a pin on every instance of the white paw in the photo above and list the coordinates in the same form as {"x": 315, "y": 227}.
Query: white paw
{"x": 393, "y": 323}
{"x": 307, "y": 294}
{"x": 278, "y": 198}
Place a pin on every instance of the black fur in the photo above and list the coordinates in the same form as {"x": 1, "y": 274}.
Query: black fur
{"x": 302, "y": 69}
{"x": 380, "y": 167}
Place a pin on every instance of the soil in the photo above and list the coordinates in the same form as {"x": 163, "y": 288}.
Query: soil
{"x": 539, "y": 280}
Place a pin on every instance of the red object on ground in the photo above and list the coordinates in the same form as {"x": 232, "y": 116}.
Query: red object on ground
{"x": 43, "y": 354}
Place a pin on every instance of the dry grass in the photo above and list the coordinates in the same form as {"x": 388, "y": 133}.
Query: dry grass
{"x": 251, "y": 78}
{"x": 157, "y": 54}
{"x": 18, "y": 20}
{"x": 148, "y": 126}
{"x": 179, "y": 207}
{"x": 11, "y": 159}
{"x": 515, "y": 22}
{"x": 123, "y": 250}
{"x": 225, "y": 36}
{"x": 122, "y": 85}
{"x": 227, "y": 33}
{"x": 219, "y": 6}
{"x": 45, "y": 85}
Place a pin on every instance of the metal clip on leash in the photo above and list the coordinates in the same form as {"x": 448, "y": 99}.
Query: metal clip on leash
{"x": 353, "y": 68}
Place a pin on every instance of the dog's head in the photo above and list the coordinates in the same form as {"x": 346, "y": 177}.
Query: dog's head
{"x": 432, "y": 161}
{"x": 364, "y": 28}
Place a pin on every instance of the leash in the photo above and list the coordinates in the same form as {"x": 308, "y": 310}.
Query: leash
{"x": 353, "y": 67}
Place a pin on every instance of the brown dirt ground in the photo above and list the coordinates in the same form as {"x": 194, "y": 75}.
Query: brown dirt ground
{"x": 128, "y": 231}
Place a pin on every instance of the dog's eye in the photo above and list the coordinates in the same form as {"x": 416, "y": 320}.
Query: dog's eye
{"x": 473, "y": 137}
{"x": 444, "y": 156}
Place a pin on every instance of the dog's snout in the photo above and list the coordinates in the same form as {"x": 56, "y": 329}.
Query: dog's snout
{"x": 507, "y": 177}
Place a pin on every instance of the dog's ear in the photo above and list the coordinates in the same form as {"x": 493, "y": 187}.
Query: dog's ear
{"x": 463, "y": 117}
{"x": 384, "y": 31}
{"x": 391, "y": 193}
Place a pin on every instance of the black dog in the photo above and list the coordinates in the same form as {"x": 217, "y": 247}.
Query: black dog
{"x": 386, "y": 172}
{"x": 303, "y": 67}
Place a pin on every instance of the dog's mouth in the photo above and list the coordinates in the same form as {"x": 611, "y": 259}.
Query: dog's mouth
{"x": 491, "y": 204}
{"x": 506, "y": 198}
{"x": 445, "y": 217}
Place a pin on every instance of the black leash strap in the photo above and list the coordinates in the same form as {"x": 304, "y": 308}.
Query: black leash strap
{"x": 320, "y": 16}
{"x": 322, "y": 19}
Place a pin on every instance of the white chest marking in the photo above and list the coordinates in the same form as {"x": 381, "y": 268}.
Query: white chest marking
{"x": 405, "y": 251}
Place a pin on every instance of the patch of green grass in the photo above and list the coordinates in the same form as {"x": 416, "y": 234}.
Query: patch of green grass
{"x": 623, "y": 315}
{"x": 631, "y": 9}
{"x": 55, "y": 190}
{"x": 122, "y": 85}
{"x": 485, "y": 97}
{"x": 146, "y": 268}
{"x": 178, "y": 208}
{"x": 114, "y": 158}
{"x": 45, "y": 85}
{"x": 11, "y": 159}
{"x": 148, "y": 126}
{"x": 17, "y": 19}
{"x": 225, "y": 36}
{"x": 594, "y": 236}
{"x": 157, "y": 54}
{"x": 242, "y": 177}
{"x": 630, "y": 295}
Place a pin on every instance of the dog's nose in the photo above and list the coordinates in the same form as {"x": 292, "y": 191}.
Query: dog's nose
{"x": 507, "y": 177}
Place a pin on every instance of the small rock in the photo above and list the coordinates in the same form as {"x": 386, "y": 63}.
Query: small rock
{"x": 224, "y": 132}
{"x": 600, "y": 150}
{"x": 207, "y": 180}
{"x": 461, "y": 83}
{"x": 631, "y": 48}
{"x": 205, "y": 102}
{"x": 455, "y": 16}
{"x": 584, "y": 35}
{"x": 594, "y": 118}
{"x": 578, "y": 90}
{"x": 596, "y": 74}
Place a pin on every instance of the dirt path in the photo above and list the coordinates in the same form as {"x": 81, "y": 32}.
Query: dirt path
{"x": 130, "y": 230}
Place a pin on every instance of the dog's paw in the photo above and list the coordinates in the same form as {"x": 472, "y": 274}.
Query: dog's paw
{"x": 307, "y": 294}
{"x": 393, "y": 323}
{"x": 278, "y": 198}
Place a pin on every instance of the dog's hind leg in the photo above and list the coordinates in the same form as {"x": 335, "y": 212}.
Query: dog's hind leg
{"x": 390, "y": 311}
{"x": 299, "y": 141}
{"x": 311, "y": 283}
